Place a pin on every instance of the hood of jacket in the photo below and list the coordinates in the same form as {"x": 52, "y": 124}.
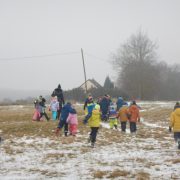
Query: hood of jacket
{"x": 177, "y": 111}
{"x": 133, "y": 107}
{"x": 95, "y": 112}
{"x": 73, "y": 111}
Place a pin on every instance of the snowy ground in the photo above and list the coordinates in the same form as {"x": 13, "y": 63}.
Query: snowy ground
{"x": 150, "y": 154}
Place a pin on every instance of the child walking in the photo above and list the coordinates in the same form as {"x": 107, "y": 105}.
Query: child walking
{"x": 37, "y": 112}
{"x": 72, "y": 122}
{"x": 94, "y": 123}
{"x": 113, "y": 117}
{"x": 123, "y": 116}
{"x": 63, "y": 117}
{"x": 54, "y": 107}
{"x": 89, "y": 105}
{"x": 43, "y": 108}
{"x": 134, "y": 117}
{"x": 175, "y": 123}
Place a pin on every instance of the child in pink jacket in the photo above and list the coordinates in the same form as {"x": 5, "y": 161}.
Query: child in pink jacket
{"x": 72, "y": 121}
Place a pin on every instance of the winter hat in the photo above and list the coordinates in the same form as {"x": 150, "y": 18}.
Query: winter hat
{"x": 59, "y": 86}
{"x": 120, "y": 98}
{"x": 97, "y": 107}
{"x": 69, "y": 103}
{"x": 134, "y": 102}
{"x": 40, "y": 97}
{"x": 90, "y": 97}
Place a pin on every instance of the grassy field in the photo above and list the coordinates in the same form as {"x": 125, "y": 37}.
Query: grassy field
{"x": 30, "y": 150}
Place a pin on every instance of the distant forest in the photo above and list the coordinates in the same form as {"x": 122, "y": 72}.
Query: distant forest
{"x": 141, "y": 75}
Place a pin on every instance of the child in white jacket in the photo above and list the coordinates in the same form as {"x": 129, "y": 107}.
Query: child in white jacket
{"x": 54, "y": 107}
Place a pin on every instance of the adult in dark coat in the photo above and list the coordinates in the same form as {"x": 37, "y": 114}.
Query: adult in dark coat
{"x": 119, "y": 103}
{"x": 59, "y": 93}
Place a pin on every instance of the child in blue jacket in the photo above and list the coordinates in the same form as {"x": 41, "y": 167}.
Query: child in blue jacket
{"x": 67, "y": 108}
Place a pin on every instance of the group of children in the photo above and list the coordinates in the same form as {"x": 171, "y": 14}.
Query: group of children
{"x": 68, "y": 115}
{"x": 119, "y": 112}
{"x": 40, "y": 107}
{"x": 102, "y": 110}
{"x": 68, "y": 118}
{"x": 105, "y": 110}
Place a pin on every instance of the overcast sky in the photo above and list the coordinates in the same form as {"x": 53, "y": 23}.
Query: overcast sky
{"x": 47, "y": 27}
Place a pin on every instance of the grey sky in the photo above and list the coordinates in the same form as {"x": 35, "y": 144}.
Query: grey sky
{"x": 42, "y": 27}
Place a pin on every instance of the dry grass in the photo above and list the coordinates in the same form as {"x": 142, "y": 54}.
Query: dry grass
{"x": 141, "y": 160}
{"x": 55, "y": 155}
{"x": 157, "y": 114}
{"x": 84, "y": 150}
{"x": 99, "y": 174}
{"x": 174, "y": 161}
{"x": 18, "y": 123}
{"x": 9, "y": 150}
{"x": 118, "y": 173}
{"x": 142, "y": 176}
{"x": 47, "y": 173}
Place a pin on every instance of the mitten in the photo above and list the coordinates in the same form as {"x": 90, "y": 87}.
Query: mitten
{"x": 85, "y": 121}
{"x": 170, "y": 129}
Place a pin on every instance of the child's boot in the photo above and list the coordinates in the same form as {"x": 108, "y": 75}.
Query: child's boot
{"x": 92, "y": 144}
{"x": 0, "y": 140}
{"x": 178, "y": 141}
{"x": 57, "y": 131}
{"x": 89, "y": 139}
{"x": 66, "y": 133}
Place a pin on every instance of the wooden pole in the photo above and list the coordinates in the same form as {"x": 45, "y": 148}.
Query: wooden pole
{"x": 84, "y": 70}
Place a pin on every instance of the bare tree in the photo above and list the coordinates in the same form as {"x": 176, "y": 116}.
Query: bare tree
{"x": 135, "y": 63}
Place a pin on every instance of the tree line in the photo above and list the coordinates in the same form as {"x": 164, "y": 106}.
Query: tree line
{"x": 141, "y": 75}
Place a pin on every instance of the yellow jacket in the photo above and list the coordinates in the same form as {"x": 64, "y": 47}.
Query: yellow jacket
{"x": 175, "y": 120}
{"x": 95, "y": 119}
{"x": 122, "y": 114}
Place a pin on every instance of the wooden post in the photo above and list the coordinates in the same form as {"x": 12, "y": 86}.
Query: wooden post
{"x": 84, "y": 70}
